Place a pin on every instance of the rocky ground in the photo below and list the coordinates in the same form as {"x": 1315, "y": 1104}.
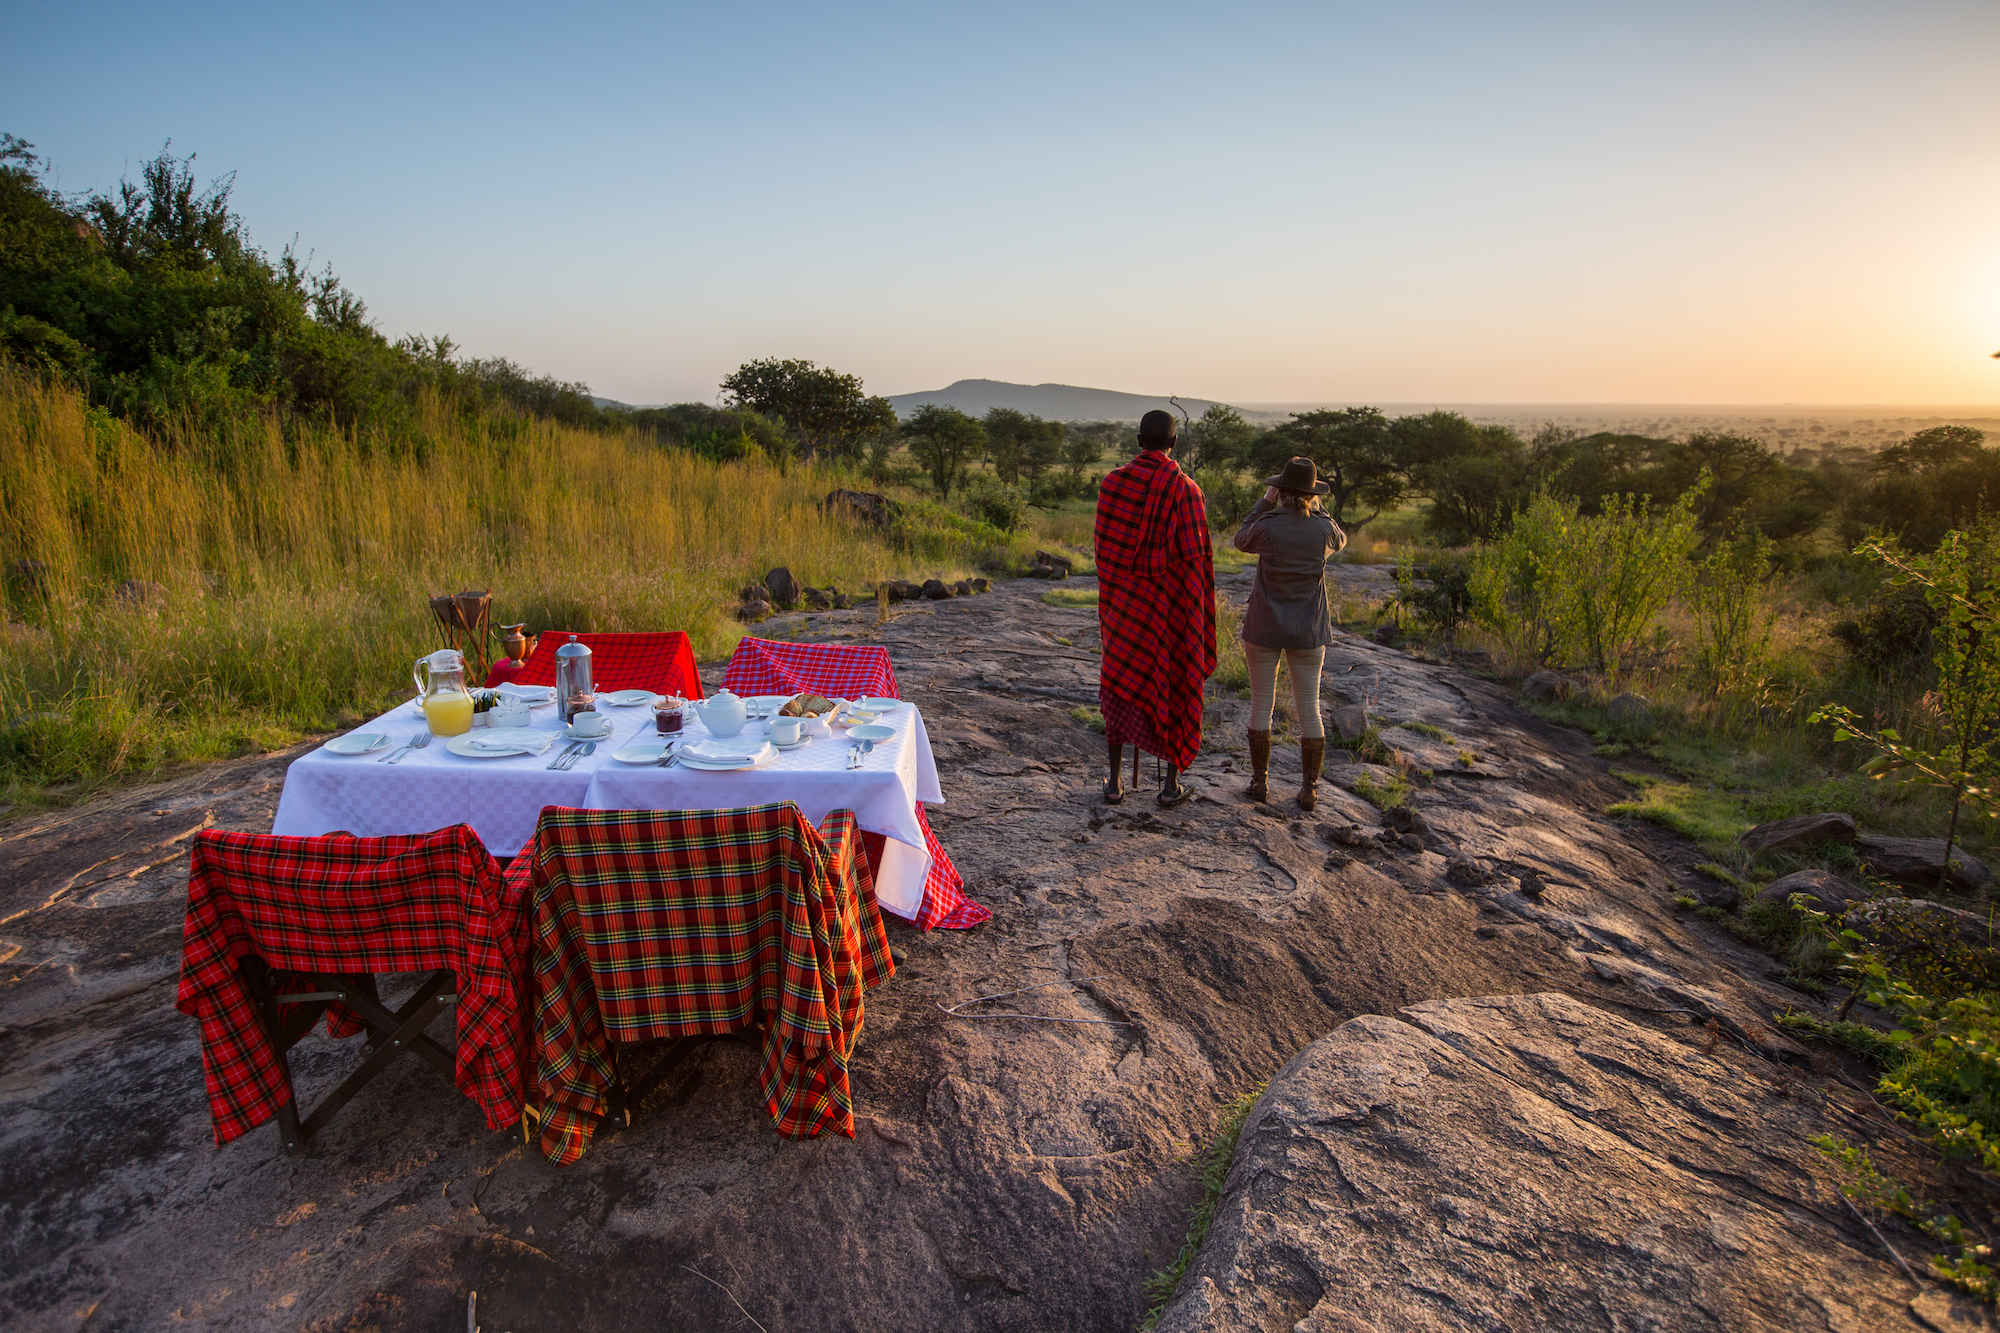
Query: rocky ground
{"x": 1615, "y": 1140}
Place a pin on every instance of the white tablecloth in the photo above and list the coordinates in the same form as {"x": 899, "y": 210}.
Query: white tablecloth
{"x": 502, "y": 797}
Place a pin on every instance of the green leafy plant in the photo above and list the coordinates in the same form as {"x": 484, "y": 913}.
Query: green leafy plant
{"x": 1733, "y": 633}
{"x": 1873, "y": 1188}
{"x": 1957, "y": 581}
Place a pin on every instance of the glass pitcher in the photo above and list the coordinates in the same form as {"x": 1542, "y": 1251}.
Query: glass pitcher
{"x": 447, "y": 704}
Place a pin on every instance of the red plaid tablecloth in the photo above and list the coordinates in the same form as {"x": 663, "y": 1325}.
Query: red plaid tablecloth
{"x": 654, "y": 924}
{"x": 661, "y": 662}
{"x": 852, "y": 671}
{"x": 351, "y": 905}
{"x": 836, "y": 670}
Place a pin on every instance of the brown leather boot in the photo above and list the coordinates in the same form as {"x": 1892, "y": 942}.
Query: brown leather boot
{"x": 1312, "y": 753}
{"x": 1260, "y": 767}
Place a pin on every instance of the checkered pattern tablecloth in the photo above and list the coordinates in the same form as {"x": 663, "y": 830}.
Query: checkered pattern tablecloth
{"x": 835, "y": 670}
{"x": 351, "y": 905}
{"x": 662, "y": 662}
{"x": 651, "y": 925}
{"x": 851, "y": 671}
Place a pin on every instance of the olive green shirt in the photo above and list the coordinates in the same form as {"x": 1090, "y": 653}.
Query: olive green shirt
{"x": 1288, "y": 602}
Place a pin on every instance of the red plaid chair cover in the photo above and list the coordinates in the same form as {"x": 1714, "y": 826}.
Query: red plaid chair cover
{"x": 351, "y": 905}
{"x": 655, "y": 924}
{"x": 851, "y": 671}
{"x": 662, "y": 662}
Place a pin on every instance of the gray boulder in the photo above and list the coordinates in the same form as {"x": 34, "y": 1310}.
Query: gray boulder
{"x": 819, "y": 599}
{"x": 1548, "y": 686}
{"x": 785, "y": 590}
{"x": 937, "y": 590}
{"x": 1526, "y": 1162}
{"x": 1917, "y": 863}
{"x": 863, "y": 506}
{"x": 1630, "y": 710}
{"x": 1048, "y": 566}
{"x": 1830, "y": 893}
{"x": 1351, "y": 721}
{"x": 1800, "y": 831}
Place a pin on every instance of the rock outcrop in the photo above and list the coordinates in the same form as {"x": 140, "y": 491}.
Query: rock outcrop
{"x": 1785, "y": 835}
{"x": 1528, "y": 1162}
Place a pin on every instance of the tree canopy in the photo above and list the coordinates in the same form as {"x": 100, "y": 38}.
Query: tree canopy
{"x": 824, "y": 409}
{"x": 945, "y": 441}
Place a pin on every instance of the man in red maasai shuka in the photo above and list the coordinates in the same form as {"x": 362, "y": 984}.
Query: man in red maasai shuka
{"x": 1156, "y": 608}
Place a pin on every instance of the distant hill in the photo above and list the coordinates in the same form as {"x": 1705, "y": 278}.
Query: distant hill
{"x": 1057, "y": 402}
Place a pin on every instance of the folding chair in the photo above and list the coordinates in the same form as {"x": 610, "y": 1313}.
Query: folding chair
{"x": 851, "y": 671}
{"x": 281, "y": 932}
{"x": 666, "y": 926}
{"x": 660, "y": 661}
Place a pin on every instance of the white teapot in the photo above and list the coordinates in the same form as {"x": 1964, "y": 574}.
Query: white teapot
{"x": 723, "y": 714}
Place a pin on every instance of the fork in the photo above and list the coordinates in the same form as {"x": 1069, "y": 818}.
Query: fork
{"x": 423, "y": 739}
{"x": 568, "y": 750}
{"x": 397, "y": 753}
{"x": 589, "y": 749}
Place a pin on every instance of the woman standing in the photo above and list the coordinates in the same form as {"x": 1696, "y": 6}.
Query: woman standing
{"x": 1292, "y": 536}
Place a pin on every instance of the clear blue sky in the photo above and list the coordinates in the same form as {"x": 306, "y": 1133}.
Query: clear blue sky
{"x": 1531, "y": 202}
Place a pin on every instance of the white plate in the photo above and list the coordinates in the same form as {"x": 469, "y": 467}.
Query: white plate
{"x": 358, "y": 742}
{"x": 704, "y": 766}
{"x": 860, "y": 717}
{"x": 628, "y": 698}
{"x": 463, "y": 747}
{"x": 640, "y": 754}
{"x": 878, "y": 705}
{"x": 875, "y": 733}
{"x": 535, "y": 696}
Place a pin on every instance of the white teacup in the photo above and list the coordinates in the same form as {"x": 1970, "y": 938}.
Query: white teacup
{"x": 785, "y": 730}
{"x": 591, "y": 724}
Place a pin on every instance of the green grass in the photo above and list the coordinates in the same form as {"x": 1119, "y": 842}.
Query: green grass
{"x": 1436, "y": 733}
{"x": 1857, "y": 1039}
{"x": 1383, "y": 795}
{"x": 1089, "y": 717}
{"x": 1070, "y": 597}
{"x": 1214, "y": 1161}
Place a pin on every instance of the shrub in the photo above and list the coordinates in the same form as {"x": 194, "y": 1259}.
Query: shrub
{"x": 1733, "y": 636}
{"x": 1443, "y": 602}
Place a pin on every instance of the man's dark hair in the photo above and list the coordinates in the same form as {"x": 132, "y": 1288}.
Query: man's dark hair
{"x": 1157, "y": 430}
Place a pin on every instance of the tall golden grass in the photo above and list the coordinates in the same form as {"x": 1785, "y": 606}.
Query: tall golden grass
{"x": 293, "y": 565}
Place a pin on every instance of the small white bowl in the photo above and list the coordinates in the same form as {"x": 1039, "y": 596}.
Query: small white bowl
{"x": 871, "y": 732}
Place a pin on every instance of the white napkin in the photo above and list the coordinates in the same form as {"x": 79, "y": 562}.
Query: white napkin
{"x": 512, "y": 739}
{"x": 534, "y": 694}
{"x": 737, "y": 751}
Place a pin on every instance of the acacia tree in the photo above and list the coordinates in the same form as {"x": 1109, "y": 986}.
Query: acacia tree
{"x": 945, "y": 440}
{"x": 1219, "y": 439}
{"x": 823, "y": 408}
{"x": 1354, "y": 449}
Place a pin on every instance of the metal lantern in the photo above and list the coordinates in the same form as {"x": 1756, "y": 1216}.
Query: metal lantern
{"x": 573, "y": 684}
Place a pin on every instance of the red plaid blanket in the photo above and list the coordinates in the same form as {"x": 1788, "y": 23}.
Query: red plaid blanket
{"x": 655, "y": 924}
{"x": 661, "y": 662}
{"x": 350, "y": 905}
{"x": 838, "y": 671}
{"x": 1155, "y": 607}
{"x": 852, "y": 671}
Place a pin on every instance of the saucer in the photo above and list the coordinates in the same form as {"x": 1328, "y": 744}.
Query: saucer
{"x": 572, "y": 734}
{"x": 358, "y": 742}
{"x": 628, "y": 698}
{"x": 798, "y": 744}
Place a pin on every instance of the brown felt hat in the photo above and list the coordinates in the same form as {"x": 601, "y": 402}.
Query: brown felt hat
{"x": 1299, "y": 475}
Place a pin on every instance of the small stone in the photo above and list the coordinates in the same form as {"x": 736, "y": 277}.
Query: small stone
{"x": 1351, "y": 721}
{"x": 1630, "y": 710}
{"x": 1918, "y": 862}
{"x": 1532, "y": 885}
{"x": 754, "y": 592}
{"x": 936, "y": 590}
{"x": 1487, "y": 932}
{"x": 1830, "y": 893}
{"x": 753, "y": 611}
{"x": 1547, "y": 686}
{"x": 1048, "y": 566}
{"x": 784, "y": 588}
{"x": 980, "y": 585}
{"x": 1411, "y": 842}
{"x": 818, "y": 600}
{"x": 1802, "y": 831}
{"x": 899, "y": 956}
{"x": 963, "y": 587}
{"x": 1338, "y": 860}
{"x": 1467, "y": 873}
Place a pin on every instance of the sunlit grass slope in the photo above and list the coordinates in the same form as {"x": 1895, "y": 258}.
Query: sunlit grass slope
{"x": 296, "y": 564}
